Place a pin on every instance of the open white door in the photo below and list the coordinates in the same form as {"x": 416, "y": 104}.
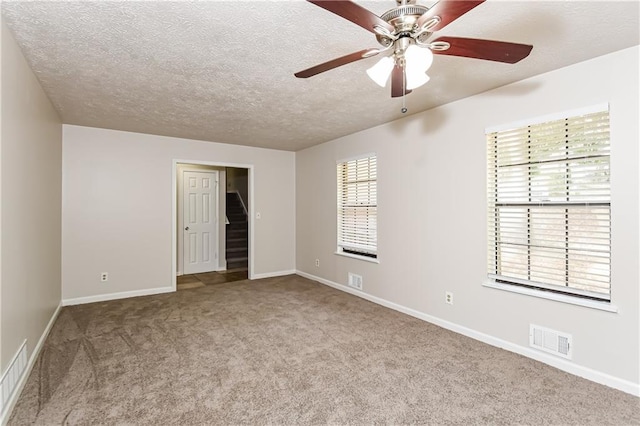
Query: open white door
{"x": 200, "y": 221}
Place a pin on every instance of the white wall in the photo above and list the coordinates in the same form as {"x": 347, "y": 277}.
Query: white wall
{"x": 31, "y": 145}
{"x": 2, "y": 365}
{"x": 432, "y": 214}
{"x": 117, "y": 208}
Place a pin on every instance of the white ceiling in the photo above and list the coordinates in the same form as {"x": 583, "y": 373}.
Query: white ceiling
{"x": 222, "y": 71}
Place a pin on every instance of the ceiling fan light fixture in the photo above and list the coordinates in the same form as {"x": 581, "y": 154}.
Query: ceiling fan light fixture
{"x": 417, "y": 62}
{"x": 415, "y": 80}
{"x": 381, "y": 71}
{"x": 418, "y": 57}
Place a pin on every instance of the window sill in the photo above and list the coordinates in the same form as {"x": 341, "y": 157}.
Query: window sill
{"x": 355, "y": 256}
{"x": 593, "y": 304}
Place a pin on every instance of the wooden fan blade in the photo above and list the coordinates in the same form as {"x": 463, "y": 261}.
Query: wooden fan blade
{"x": 335, "y": 63}
{"x": 398, "y": 82}
{"x": 354, "y": 13}
{"x": 490, "y": 50}
{"x": 448, "y": 11}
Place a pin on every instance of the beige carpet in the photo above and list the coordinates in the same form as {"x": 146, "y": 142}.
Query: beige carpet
{"x": 289, "y": 351}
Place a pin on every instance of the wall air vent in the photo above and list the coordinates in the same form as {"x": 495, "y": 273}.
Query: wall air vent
{"x": 11, "y": 377}
{"x": 551, "y": 341}
{"x": 355, "y": 281}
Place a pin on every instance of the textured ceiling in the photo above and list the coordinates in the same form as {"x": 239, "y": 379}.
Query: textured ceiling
{"x": 222, "y": 71}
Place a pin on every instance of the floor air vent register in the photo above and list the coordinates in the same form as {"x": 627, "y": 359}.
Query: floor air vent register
{"x": 550, "y": 341}
{"x": 11, "y": 377}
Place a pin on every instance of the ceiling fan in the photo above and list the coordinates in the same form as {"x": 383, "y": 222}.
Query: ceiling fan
{"x": 404, "y": 33}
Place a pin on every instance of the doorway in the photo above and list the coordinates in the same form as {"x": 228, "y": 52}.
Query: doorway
{"x": 237, "y": 212}
{"x": 212, "y": 241}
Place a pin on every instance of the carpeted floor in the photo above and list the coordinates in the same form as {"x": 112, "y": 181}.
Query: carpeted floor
{"x": 289, "y": 351}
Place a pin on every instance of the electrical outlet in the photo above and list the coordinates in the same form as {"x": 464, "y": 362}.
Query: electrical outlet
{"x": 448, "y": 297}
{"x": 104, "y": 277}
{"x": 317, "y": 263}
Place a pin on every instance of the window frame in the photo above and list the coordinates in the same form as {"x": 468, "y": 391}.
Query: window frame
{"x": 349, "y": 248}
{"x": 524, "y": 286}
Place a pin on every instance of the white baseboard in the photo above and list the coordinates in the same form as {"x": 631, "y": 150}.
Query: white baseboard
{"x": 561, "y": 364}
{"x": 272, "y": 274}
{"x": 8, "y": 408}
{"x": 114, "y": 296}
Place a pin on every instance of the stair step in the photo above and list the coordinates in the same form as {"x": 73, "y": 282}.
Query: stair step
{"x": 237, "y": 265}
{"x": 237, "y": 222}
{"x": 236, "y": 232}
{"x": 236, "y": 260}
{"x": 239, "y": 258}
{"x": 236, "y": 242}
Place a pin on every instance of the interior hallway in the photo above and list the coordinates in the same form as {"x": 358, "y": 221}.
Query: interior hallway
{"x": 209, "y": 278}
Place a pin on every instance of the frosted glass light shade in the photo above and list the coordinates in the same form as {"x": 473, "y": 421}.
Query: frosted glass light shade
{"x": 381, "y": 71}
{"x": 418, "y": 57}
{"x": 416, "y": 80}
{"x": 418, "y": 60}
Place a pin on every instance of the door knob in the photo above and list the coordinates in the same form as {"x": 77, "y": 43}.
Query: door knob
{"x": 186, "y": 229}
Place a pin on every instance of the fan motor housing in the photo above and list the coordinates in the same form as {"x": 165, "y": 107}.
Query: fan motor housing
{"x": 403, "y": 19}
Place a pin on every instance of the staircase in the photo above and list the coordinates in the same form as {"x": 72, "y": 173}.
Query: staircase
{"x": 237, "y": 245}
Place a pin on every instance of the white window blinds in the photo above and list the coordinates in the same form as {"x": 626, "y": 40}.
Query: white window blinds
{"x": 357, "y": 206}
{"x": 549, "y": 218}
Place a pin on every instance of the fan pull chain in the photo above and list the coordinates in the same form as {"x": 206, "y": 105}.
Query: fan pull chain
{"x": 404, "y": 91}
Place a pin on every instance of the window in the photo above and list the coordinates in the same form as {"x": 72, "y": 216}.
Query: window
{"x": 357, "y": 207}
{"x": 549, "y": 218}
